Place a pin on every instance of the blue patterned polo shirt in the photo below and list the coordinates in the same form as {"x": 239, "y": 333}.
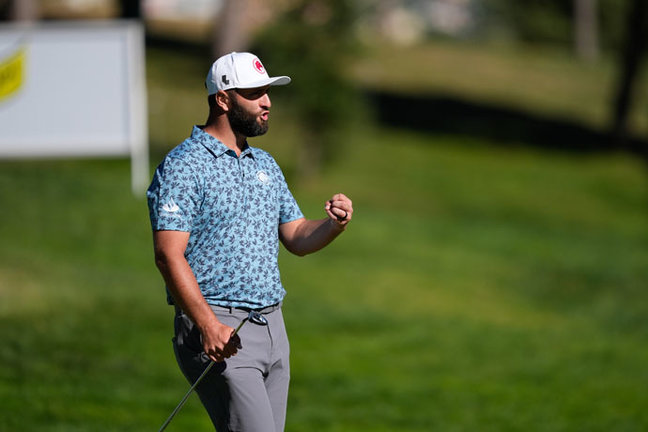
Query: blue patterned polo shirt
{"x": 232, "y": 207}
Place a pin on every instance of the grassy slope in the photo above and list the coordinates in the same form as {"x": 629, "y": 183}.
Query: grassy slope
{"x": 534, "y": 80}
{"x": 479, "y": 288}
{"x": 487, "y": 290}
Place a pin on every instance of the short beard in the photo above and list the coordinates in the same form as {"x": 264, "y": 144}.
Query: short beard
{"x": 244, "y": 123}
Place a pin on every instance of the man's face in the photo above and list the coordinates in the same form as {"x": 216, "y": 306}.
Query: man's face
{"x": 248, "y": 114}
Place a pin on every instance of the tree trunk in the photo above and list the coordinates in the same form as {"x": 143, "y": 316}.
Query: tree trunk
{"x": 23, "y": 10}
{"x": 633, "y": 51}
{"x": 230, "y": 33}
{"x": 131, "y": 9}
{"x": 586, "y": 29}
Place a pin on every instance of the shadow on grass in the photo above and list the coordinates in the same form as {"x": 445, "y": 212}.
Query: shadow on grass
{"x": 507, "y": 126}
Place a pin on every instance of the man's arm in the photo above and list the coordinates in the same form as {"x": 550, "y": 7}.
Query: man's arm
{"x": 304, "y": 236}
{"x": 169, "y": 249}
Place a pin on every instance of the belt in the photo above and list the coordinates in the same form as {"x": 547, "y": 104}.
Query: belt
{"x": 264, "y": 310}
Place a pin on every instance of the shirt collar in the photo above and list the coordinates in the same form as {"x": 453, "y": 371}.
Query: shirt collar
{"x": 214, "y": 145}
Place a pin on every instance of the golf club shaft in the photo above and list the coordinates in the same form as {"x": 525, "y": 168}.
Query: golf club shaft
{"x": 195, "y": 384}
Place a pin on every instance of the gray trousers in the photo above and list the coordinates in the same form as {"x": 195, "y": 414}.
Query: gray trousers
{"x": 249, "y": 391}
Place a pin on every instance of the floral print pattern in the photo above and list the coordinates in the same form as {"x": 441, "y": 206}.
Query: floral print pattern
{"x": 232, "y": 207}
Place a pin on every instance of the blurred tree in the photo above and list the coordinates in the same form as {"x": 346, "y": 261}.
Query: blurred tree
{"x": 4, "y": 10}
{"x": 599, "y": 24}
{"x": 312, "y": 41}
{"x": 612, "y": 18}
{"x": 534, "y": 21}
{"x": 230, "y": 33}
{"x": 632, "y": 55}
{"x": 131, "y": 8}
{"x": 586, "y": 29}
{"x": 22, "y": 10}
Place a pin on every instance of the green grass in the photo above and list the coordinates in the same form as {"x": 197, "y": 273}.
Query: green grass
{"x": 478, "y": 288}
{"x": 532, "y": 79}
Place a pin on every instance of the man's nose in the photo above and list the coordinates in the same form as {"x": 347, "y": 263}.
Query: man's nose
{"x": 265, "y": 101}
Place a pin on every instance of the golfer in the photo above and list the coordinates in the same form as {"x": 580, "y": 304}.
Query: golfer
{"x": 218, "y": 209}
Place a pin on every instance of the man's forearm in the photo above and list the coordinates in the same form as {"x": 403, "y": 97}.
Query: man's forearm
{"x": 304, "y": 236}
{"x": 312, "y": 235}
{"x": 185, "y": 291}
{"x": 182, "y": 284}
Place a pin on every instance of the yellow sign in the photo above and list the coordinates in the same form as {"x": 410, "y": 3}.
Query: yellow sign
{"x": 12, "y": 73}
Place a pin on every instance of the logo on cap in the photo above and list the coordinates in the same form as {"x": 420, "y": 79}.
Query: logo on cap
{"x": 258, "y": 66}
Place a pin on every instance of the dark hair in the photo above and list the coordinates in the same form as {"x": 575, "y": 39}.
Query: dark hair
{"x": 211, "y": 101}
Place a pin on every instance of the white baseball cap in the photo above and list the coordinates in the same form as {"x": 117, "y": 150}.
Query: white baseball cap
{"x": 239, "y": 70}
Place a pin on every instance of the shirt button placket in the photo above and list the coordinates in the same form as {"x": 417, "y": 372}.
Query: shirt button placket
{"x": 242, "y": 185}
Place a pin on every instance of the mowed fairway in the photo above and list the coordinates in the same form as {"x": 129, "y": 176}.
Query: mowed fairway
{"x": 479, "y": 288}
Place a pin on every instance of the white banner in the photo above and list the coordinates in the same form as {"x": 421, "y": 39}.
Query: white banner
{"x": 74, "y": 89}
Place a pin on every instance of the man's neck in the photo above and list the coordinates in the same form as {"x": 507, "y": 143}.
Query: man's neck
{"x": 227, "y": 136}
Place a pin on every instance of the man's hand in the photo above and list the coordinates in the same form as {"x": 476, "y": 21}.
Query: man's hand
{"x": 217, "y": 339}
{"x": 218, "y": 342}
{"x": 339, "y": 209}
{"x": 303, "y": 236}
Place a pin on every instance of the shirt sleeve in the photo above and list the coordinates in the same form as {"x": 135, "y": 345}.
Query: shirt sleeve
{"x": 174, "y": 196}
{"x": 288, "y": 208}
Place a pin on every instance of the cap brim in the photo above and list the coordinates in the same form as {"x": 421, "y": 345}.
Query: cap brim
{"x": 272, "y": 81}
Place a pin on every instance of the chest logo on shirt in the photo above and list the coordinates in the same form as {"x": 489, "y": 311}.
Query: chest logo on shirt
{"x": 171, "y": 206}
{"x": 263, "y": 177}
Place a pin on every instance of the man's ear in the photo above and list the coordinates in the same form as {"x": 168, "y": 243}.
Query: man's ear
{"x": 223, "y": 100}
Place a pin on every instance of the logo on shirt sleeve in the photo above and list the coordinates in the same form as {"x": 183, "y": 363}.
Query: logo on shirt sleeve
{"x": 171, "y": 206}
